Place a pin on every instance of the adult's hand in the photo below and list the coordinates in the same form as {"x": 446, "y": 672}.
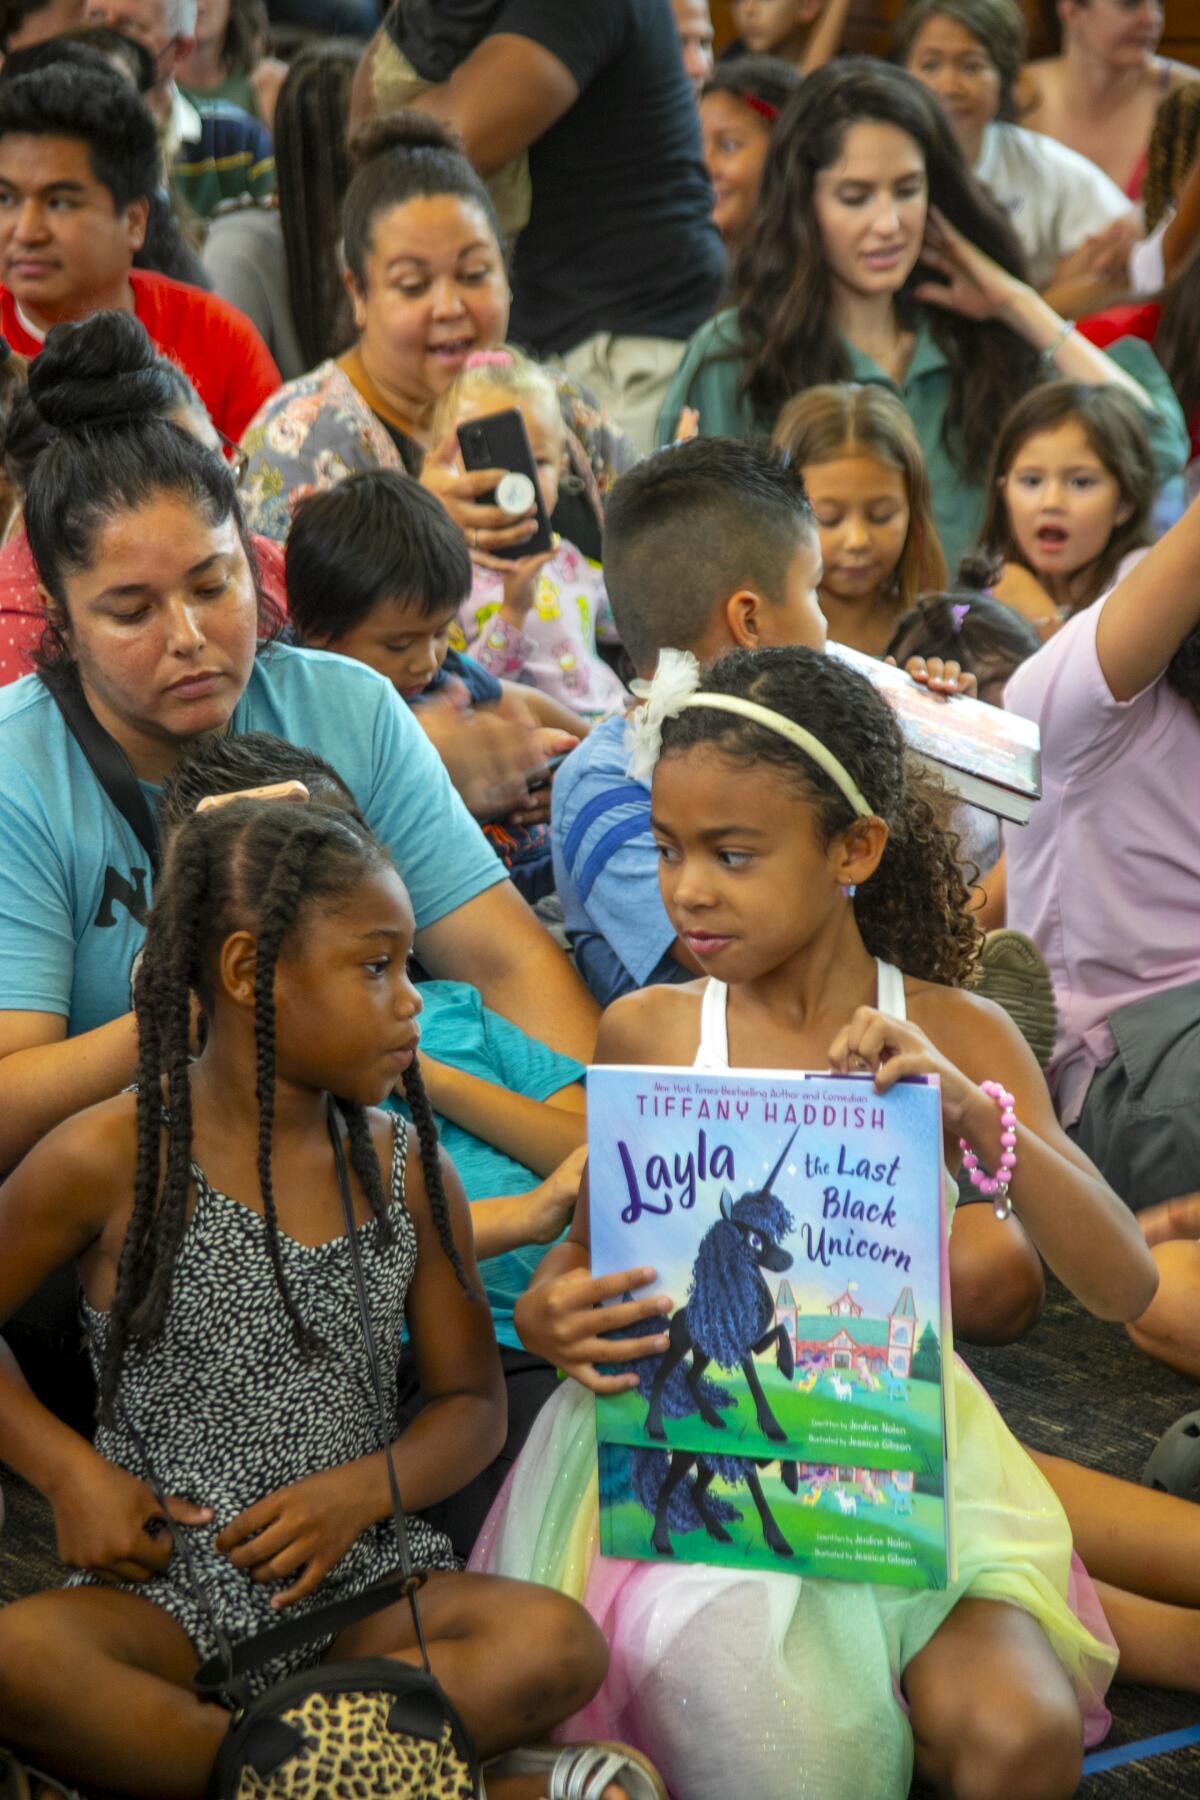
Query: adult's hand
{"x": 489, "y": 759}
{"x": 485, "y": 527}
{"x": 972, "y": 283}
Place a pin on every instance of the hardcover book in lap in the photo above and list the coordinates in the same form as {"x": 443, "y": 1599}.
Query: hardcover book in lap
{"x": 798, "y": 1416}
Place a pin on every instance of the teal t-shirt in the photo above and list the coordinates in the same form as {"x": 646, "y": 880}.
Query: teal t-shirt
{"x": 711, "y": 370}
{"x": 458, "y": 1029}
{"x": 74, "y": 882}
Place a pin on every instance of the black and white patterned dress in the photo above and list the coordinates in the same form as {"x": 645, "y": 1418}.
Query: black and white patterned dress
{"x": 230, "y": 1410}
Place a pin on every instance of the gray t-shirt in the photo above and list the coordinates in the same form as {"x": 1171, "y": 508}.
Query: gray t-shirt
{"x": 243, "y": 254}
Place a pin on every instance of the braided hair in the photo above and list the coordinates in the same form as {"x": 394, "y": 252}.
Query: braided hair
{"x": 913, "y": 909}
{"x": 254, "y": 864}
{"x": 1172, "y": 147}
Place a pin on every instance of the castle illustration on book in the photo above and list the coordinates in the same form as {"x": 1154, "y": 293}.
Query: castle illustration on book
{"x": 806, "y": 1282}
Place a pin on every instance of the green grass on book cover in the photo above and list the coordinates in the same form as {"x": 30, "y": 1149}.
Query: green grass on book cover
{"x": 835, "y": 1524}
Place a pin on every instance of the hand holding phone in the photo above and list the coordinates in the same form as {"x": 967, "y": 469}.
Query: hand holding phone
{"x": 500, "y": 441}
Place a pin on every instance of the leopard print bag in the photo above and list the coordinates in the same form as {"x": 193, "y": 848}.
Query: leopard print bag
{"x": 368, "y": 1730}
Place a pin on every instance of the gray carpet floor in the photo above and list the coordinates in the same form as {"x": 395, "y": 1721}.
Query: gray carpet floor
{"x": 1075, "y": 1387}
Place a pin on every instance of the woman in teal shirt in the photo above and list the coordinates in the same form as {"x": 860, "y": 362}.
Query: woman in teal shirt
{"x": 877, "y": 257}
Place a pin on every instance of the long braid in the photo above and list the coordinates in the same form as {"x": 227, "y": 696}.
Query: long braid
{"x": 431, "y": 1168}
{"x": 1172, "y": 147}
{"x": 365, "y": 1164}
{"x": 158, "y": 1217}
{"x": 279, "y": 908}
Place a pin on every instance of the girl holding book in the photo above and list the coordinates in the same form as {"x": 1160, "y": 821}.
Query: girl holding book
{"x": 806, "y": 870}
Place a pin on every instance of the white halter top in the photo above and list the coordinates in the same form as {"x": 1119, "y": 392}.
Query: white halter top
{"x": 713, "y": 1051}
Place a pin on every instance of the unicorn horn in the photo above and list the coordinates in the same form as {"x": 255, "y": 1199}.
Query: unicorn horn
{"x": 769, "y": 1183}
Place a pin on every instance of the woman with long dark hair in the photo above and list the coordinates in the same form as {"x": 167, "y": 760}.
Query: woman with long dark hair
{"x": 877, "y": 257}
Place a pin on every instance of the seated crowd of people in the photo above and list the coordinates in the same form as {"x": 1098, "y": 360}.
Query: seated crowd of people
{"x": 353, "y": 784}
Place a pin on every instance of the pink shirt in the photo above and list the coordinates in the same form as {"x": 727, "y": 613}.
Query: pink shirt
{"x": 1106, "y": 875}
{"x": 554, "y": 648}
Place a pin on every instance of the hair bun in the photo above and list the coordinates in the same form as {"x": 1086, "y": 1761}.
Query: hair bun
{"x": 405, "y": 130}
{"x": 979, "y": 571}
{"x": 96, "y": 372}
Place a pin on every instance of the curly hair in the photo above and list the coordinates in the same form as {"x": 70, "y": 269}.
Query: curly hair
{"x": 267, "y": 866}
{"x": 913, "y": 910}
{"x": 782, "y": 286}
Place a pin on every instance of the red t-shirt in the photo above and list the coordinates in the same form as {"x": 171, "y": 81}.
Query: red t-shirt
{"x": 214, "y": 344}
{"x": 23, "y": 618}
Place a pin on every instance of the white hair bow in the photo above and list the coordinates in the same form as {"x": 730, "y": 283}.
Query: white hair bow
{"x": 676, "y": 679}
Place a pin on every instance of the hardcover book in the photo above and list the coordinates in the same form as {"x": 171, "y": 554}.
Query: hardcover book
{"x": 798, "y": 1224}
{"x": 988, "y": 757}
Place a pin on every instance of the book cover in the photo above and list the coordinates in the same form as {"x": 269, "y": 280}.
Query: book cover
{"x": 839, "y": 1524}
{"x": 989, "y": 757}
{"x": 797, "y": 1418}
{"x": 798, "y": 1224}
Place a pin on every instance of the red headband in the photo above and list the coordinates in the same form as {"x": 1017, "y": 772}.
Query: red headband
{"x": 763, "y": 107}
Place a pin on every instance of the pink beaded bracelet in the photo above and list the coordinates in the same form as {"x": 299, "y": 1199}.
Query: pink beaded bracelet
{"x": 996, "y": 1186}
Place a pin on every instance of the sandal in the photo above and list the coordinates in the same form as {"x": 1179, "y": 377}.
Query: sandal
{"x": 1013, "y": 973}
{"x": 583, "y": 1771}
{"x": 19, "y": 1782}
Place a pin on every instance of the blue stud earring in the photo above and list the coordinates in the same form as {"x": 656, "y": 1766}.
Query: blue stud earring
{"x": 851, "y": 890}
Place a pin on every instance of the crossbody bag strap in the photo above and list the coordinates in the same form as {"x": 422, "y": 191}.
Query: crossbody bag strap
{"x": 413, "y": 1578}
{"x": 108, "y": 762}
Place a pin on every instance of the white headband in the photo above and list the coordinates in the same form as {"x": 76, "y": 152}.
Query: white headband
{"x": 676, "y": 686}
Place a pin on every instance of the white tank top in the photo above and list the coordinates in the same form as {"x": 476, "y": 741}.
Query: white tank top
{"x": 713, "y": 1051}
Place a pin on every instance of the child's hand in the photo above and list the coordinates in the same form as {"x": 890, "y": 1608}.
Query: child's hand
{"x": 944, "y": 678}
{"x": 549, "y": 1207}
{"x": 108, "y": 1522}
{"x": 564, "y": 1321}
{"x": 518, "y": 580}
{"x": 301, "y": 1530}
{"x": 277, "y": 790}
{"x": 687, "y": 426}
{"x": 894, "y": 1048}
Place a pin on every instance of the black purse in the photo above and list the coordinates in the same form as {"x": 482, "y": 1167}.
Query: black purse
{"x": 374, "y": 1729}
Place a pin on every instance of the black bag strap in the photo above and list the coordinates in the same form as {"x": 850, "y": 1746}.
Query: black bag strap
{"x": 219, "y": 1677}
{"x": 109, "y": 763}
{"x": 413, "y": 1578}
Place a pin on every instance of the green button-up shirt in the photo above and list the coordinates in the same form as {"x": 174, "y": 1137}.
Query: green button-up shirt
{"x": 708, "y": 376}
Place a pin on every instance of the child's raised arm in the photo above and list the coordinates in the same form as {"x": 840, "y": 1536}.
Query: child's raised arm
{"x": 1086, "y": 1234}
{"x": 1148, "y": 615}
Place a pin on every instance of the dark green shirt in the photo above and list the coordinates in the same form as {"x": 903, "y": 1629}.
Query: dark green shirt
{"x": 708, "y": 378}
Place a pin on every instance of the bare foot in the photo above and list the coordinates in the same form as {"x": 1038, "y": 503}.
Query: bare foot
{"x": 1179, "y": 1218}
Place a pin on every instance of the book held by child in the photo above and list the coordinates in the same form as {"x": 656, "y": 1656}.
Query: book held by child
{"x": 988, "y": 757}
{"x": 797, "y": 1417}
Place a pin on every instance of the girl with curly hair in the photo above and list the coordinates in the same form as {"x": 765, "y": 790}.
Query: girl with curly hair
{"x": 807, "y": 870}
{"x": 876, "y": 256}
